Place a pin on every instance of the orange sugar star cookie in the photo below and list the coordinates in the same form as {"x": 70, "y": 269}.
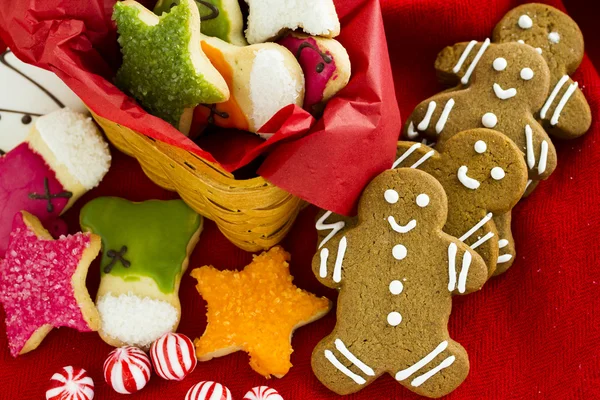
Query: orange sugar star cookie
{"x": 255, "y": 310}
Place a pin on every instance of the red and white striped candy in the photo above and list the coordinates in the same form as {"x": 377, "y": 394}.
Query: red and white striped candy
{"x": 263, "y": 393}
{"x": 173, "y": 356}
{"x": 208, "y": 391}
{"x": 127, "y": 370}
{"x": 70, "y": 384}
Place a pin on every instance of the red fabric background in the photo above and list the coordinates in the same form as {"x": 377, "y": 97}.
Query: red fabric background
{"x": 532, "y": 333}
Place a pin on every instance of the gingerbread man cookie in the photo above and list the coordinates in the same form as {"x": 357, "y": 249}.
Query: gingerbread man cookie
{"x": 566, "y": 113}
{"x": 381, "y": 310}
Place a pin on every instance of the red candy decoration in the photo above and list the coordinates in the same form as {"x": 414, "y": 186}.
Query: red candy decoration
{"x": 208, "y": 391}
{"x": 263, "y": 393}
{"x": 70, "y": 384}
{"x": 173, "y": 356}
{"x": 127, "y": 370}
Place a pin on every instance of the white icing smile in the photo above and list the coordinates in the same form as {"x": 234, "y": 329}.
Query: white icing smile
{"x": 402, "y": 228}
{"x": 504, "y": 94}
{"x": 466, "y": 180}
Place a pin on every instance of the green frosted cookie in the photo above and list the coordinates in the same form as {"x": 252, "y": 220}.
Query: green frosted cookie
{"x": 220, "y": 18}
{"x": 164, "y": 67}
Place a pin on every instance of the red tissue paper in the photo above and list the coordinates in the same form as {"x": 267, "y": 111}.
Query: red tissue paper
{"x": 342, "y": 151}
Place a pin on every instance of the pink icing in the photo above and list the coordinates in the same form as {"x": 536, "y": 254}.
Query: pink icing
{"x": 309, "y": 58}
{"x": 35, "y": 283}
{"x": 22, "y": 172}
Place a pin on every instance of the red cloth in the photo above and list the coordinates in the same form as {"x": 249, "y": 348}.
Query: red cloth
{"x": 532, "y": 333}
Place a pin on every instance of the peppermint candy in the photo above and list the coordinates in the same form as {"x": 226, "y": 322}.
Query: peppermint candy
{"x": 173, "y": 356}
{"x": 70, "y": 384}
{"x": 208, "y": 391}
{"x": 263, "y": 393}
{"x": 127, "y": 370}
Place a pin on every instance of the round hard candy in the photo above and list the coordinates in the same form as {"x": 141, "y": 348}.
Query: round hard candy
{"x": 208, "y": 391}
{"x": 127, "y": 370}
{"x": 263, "y": 393}
{"x": 173, "y": 356}
{"x": 70, "y": 384}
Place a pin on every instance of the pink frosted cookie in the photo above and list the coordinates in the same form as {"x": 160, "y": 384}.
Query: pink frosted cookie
{"x": 63, "y": 157}
{"x": 208, "y": 390}
{"x": 325, "y": 64}
{"x": 173, "y": 356}
{"x": 127, "y": 370}
{"x": 263, "y": 393}
{"x": 70, "y": 384}
{"x": 42, "y": 283}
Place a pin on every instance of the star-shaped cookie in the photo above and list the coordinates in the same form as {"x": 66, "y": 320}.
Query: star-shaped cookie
{"x": 42, "y": 283}
{"x": 255, "y": 310}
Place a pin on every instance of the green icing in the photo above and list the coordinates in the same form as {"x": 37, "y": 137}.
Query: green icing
{"x": 157, "y": 66}
{"x": 156, "y": 234}
{"x": 216, "y": 27}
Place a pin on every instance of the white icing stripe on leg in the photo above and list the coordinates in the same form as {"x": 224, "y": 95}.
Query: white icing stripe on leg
{"x": 425, "y": 123}
{"x": 400, "y": 228}
{"x": 529, "y": 141}
{"x": 543, "y": 158}
{"x": 335, "y": 227}
{"x": 335, "y": 362}
{"x": 552, "y": 96}
{"x": 337, "y": 269}
{"x": 405, "y": 373}
{"x": 484, "y": 46}
{"x": 502, "y": 243}
{"x": 464, "y": 56}
{"x": 411, "y": 133}
{"x": 481, "y": 241}
{"x": 439, "y": 127}
{"x": 418, "y": 381}
{"x": 352, "y": 358}
{"x": 452, "y": 266}
{"x": 477, "y": 226}
{"x": 323, "y": 267}
{"x": 563, "y": 103}
{"x": 406, "y": 154}
{"x": 464, "y": 272}
{"x": 528, "y": 183}
{"x": 423, "y": 159}
{"x": 504, "y": 258}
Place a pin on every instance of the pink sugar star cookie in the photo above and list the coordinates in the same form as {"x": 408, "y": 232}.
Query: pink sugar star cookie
{"x": 42, "y": 283}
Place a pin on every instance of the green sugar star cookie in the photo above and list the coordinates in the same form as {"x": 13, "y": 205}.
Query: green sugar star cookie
{"x": 164, "y": 67}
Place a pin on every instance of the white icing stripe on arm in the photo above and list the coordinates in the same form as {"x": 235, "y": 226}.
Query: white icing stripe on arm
{"x": 439, "y": 127}
{"x": 478, "y": 225}
{"x": 337, "y": 269}
{"x": 464, "y": 56}
{"x": 464, "y": 272}
{"x": 406, "y": 154}
{"x": 552, "y": 96}
{"x": 411, "y": 133}
{"x": 484, "y": 46}
{"x": 323, "y": 266}
{"x": 425, "y": 123}
{"x": 335, "y": 227}
{"x": 502, "y": 243}
{"x": 418, "y": 381}
{"x": 543, "y": 158}
{"x": 335, "y": 362}
{"x": 504, "y": 258}
{"x": 563, "y": 103}
{"x": 405, "y": 373}
{"x": 400, "y": 228}
{"x": 423, "y": 159}
{"x": 528, "y": 183}
{"x": 468, "y": 182}
{"x": 481, "y": 241}
{"x": 452, "y": 266}
{"x": 352, "y": 358}
{"x": 529, "y": 141}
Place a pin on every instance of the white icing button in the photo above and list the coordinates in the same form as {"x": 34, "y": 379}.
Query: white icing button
{"x": 422, "y": 200}
{"x": 525, "y": 22}
{"x": 396, "y": 287}
{"x": 394, "y": 318}
{"x": 480, "y": 146}
{"x": 538, "y": 49}
{"x": 391, "y": 196}
{"x": 526, "y": 74}
{"x": 489, "y": 120}
{"x": 498, "y": 173}
{"x": 399, "y": 252}
{"x": 499, "y": 64}
{"x": 521, "y": 41}
{"x": 554, "y": 37}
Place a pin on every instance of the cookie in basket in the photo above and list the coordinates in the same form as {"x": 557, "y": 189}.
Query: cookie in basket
{"x": 145, "y": 253}
{"x": 396, "y": 272}
{"x": 255, "y": 310}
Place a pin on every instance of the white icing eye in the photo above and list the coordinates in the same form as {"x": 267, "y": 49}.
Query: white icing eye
{"x": 396, "y": 287}
{"x": 538, "y": 49}
{"x": 489, "y": 120}
{"x": 422, "y": 200}
{"x": 394, "y": 318}
{"x": 499, "y": 64}
{"x": 525, "y": 22}
{"x": 554, "y": 37}
{"x": 480, "y": 146}
{"x": 526, "y": 74}
{"x": 391, "y": 196}
{"x": 399, "y": 252}
{"x": 498, "y": 173}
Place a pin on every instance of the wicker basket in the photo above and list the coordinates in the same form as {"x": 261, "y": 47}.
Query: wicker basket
{"x": 253, "y": 213}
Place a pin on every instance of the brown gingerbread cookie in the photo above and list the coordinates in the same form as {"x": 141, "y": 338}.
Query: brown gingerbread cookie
{"x": 396, "y": 272}
{"x": 566, "y": 113}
